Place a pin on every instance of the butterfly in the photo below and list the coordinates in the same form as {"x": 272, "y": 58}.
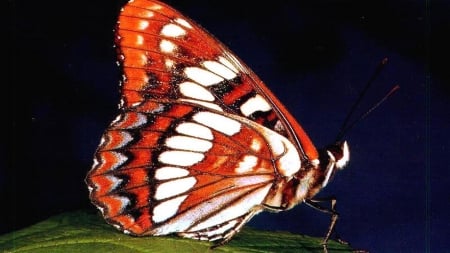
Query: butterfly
{"x": 200, "y": 144}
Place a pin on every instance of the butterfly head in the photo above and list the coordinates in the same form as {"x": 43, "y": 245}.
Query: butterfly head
{"x": 333, "y": 158}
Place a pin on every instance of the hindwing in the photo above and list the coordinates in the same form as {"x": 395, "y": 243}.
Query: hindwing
{"x": 181, "y": 168}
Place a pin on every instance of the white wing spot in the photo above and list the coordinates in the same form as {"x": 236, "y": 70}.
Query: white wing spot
{"x": 254, "y": 104}
{"x": 141, "y": 120}
{"x": 90, "y": 189}
{"x": 188, "y": 143}
{"x": 193, "y": 90}
{"x": 95, "y": 162}
{"x": 101, "y": 209}
{"x": 165, "y": 173}
{"x": 147, "y": 13}
{"x": 203, "y": 103}
{"x": 117, "y": 119}
{"x": 174, "y": 187}
{"x": 195, "y": 130}
{"x": 202, "y": 76}
{"x": 155, "y": 7}
{"x": 119, "y": 160}
{"x": 218, "y": 122}
{"x": 125, "y": 138}
{"x": 115, "y": 182}
{"x": 227, "y": 63}
{"x": 103, "y": 140}
{"x": 134, "y": 104}
{"x": 219, "y": 69}
{"x": 139, "y": 40}
{"x": 172, "y": 30}
{"x": 183, "y": 23}
{"x": 143, "y": 59}
{"x": 289, "y": 161}
{"x": 180, "y": 158}
{"x": 278, "y": 127}
{"x": 159, "y": 109}
{"x": 167, "y": 46}
{"x": 143, "y": 24}
{"x": 256, "y": 145}
{"x": 247, "y": 164}
{"x": 169, "y": 63}
{"x": 167, "y": 209}
{"x": 124, "y": 201}
{"x": 315, "y": 162}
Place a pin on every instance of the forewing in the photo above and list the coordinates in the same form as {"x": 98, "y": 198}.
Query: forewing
{"x": 167, "y": 56}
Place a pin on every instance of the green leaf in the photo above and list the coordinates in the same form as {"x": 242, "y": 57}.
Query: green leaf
{"x": 84, "y": 232}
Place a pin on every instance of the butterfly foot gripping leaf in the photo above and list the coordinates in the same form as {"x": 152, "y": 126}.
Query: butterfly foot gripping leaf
{"x": 200, "y": 144}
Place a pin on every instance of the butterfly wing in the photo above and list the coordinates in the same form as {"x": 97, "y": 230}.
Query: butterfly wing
{"x": 166, "y": 55}
{"x": 200, "y": 139}
{"x": 173, "y": 167}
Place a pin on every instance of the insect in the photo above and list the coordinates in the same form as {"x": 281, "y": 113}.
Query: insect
{"x": 200, "y": 144}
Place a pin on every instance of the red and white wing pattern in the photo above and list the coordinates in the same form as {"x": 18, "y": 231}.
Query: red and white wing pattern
{"x": 200, "y": 143}
{"x": 171, "y": 167}
{"x": 168, "y": 56}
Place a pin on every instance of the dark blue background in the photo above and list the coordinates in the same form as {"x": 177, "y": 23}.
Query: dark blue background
{"x": 316, "y": 56}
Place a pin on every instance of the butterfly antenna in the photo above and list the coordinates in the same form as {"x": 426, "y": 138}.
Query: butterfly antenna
{"x": 365, "y": 114}
{"x": 346, "y": 126}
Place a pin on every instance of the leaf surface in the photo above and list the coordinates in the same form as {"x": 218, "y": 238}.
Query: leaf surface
{"x": 81, "y": 231}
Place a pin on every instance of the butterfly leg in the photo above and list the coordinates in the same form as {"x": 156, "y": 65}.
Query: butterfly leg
{"x": 315, "y": 203}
